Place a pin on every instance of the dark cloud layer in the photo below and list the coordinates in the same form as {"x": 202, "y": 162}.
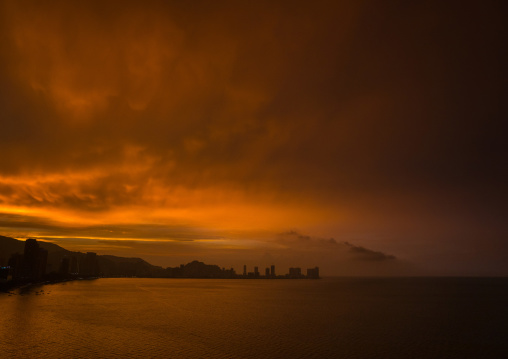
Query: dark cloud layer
{"x": 46, "y": 227}
{"x": 385, "y": 119}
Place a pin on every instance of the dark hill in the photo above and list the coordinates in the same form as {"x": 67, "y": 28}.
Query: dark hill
{"x": 9, "y": 246}
{"x": 131, "y": 267}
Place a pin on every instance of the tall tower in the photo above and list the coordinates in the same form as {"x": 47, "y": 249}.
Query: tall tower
{"x": 244, "y": 270}
{"x": 42, "y": 263}
{"x": 31, "y": 258}
{"x": 74, "y": 266}
{"x": 272, "y": 271}
{"x": 91, "y": 265}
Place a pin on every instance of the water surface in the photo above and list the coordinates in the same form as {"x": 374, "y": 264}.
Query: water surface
{"x": 194, "y": 318}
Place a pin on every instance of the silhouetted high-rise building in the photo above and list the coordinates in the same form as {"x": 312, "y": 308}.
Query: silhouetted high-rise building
{"x": 244, "y": 270}
{"x": 90, "y": 265}
{"x": 4, "y": 273}
{"x": 272, "y": 270}
{"x": 267, "y": 272}
{"x": 313, "y": 273}
{"x": 33, "y": 262}
{"x": 295, "y": 272}
{"x": 43, "y": 262}
{"x": 65, "y": 266}
{"x": 228, "y": 273}
{"x": 16, "y": 266}
{"x": 31, "y": 258}
{"x": 74, "y": 265}
{"x": 256, "y": 272}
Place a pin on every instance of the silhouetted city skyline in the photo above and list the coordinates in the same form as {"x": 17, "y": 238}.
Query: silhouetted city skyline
{"x": 32, "y": 266}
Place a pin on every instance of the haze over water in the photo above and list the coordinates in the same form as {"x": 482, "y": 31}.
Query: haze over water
{"x": 195, "y": 318}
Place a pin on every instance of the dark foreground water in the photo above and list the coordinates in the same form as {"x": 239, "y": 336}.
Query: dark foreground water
{"x": 192, "y": 318}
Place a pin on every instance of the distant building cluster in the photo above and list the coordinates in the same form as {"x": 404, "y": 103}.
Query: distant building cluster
{"x": 294, "y": 273}
{"x": 86, "y": 267}
{"x": 198, "y": 269}
{"x": 4, "y": 274}
{"x": 32, "y": 264}
{"x": 29, "y": 265}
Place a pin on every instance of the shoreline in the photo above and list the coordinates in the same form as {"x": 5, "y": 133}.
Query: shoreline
{"x": 20, "y": 284}
{"x": 6, "y": 287}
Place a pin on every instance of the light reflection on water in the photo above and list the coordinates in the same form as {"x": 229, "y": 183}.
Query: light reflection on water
{"x": 193, "y": 318}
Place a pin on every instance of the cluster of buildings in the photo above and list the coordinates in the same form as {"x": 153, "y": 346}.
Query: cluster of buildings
{"x": 86, "y": 266}
{"x": 294, "y": 273}
{"x": 29, "y": 265}
{"x": 33, "y": 263}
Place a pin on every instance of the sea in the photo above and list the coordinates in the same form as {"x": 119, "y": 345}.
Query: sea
{"x": 240, "y": 318}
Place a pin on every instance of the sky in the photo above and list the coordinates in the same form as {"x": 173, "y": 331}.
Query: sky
{"x": 363, "y": 137}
